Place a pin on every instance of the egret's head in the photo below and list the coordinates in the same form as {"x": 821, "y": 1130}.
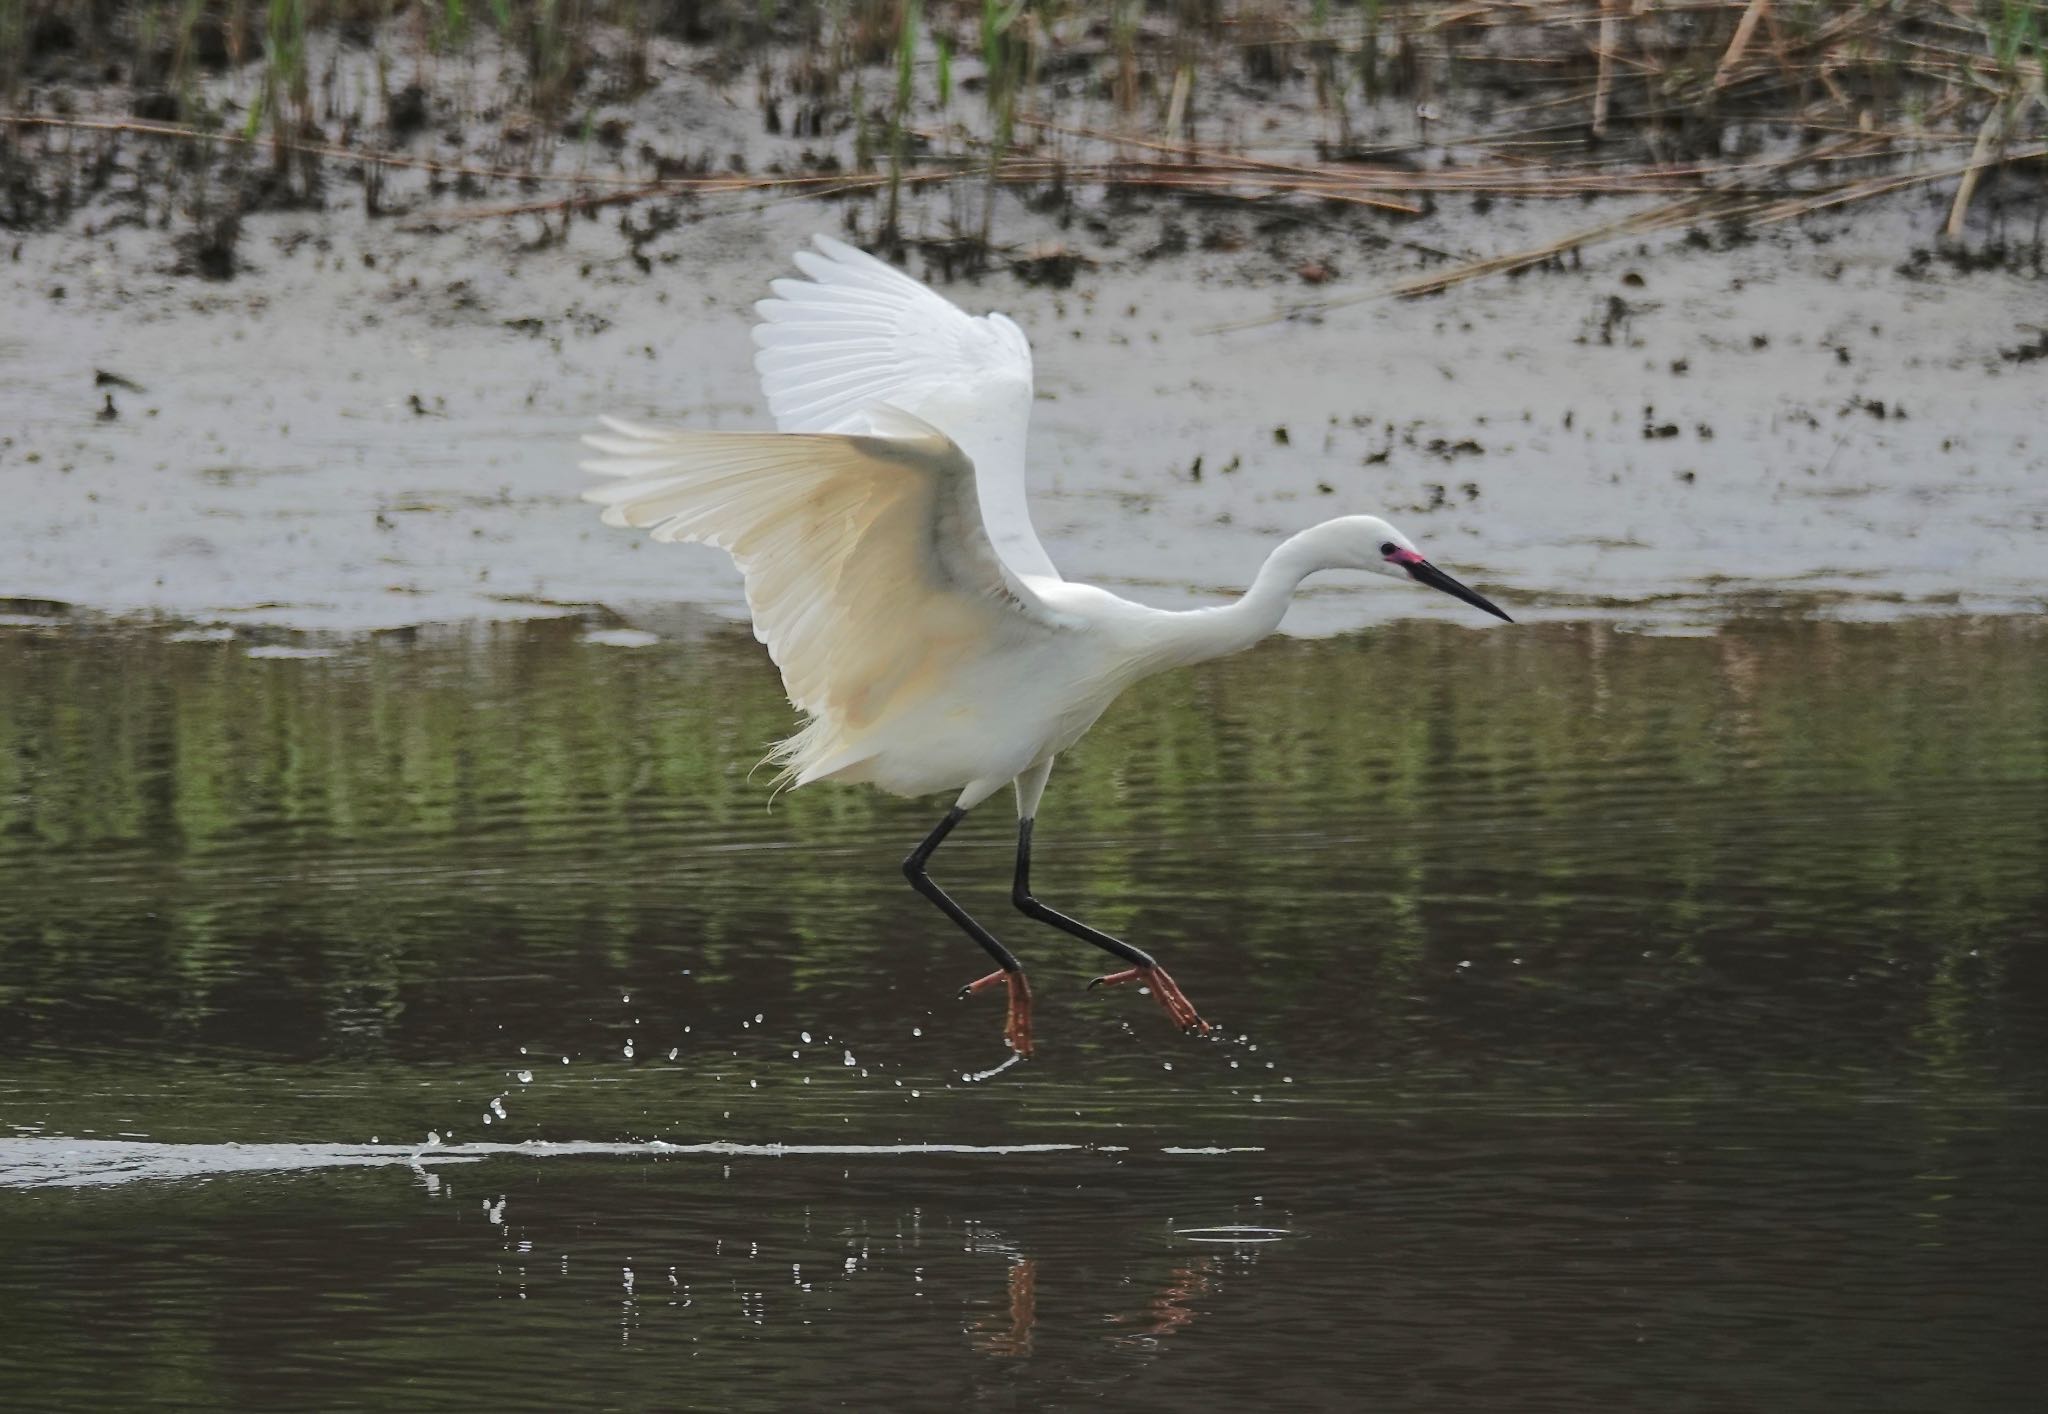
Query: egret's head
{"x": 1372, "y": 544}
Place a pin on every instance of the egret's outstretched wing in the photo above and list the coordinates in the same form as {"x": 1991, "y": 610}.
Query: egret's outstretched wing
{"x": 859, "y": 333}
{"x": 866, "y": 566}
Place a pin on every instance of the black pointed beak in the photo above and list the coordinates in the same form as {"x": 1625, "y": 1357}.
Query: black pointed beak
{"x": 1423, "y": 572}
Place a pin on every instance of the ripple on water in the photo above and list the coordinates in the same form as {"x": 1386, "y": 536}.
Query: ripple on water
{"x": 1596, "y": 1012}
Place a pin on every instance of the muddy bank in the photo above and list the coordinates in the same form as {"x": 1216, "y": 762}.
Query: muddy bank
{"x": 373, "y": 423}
{"x": 372, "y": 427}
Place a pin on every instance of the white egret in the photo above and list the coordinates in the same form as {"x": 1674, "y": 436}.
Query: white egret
{"x": 893, "y": 573}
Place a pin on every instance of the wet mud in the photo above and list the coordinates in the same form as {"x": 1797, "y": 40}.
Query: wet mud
{"x": 373, "y": 423}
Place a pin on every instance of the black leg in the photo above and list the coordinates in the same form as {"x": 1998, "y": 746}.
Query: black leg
{"x": 1020, "y": 894}
{"x": 914, "y": 870}
{"x": 1142, "y": 968}
{"x": 1017, "y": 1029}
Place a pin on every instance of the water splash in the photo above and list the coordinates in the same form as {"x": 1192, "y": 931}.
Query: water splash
{"x": 977, "y": 1076}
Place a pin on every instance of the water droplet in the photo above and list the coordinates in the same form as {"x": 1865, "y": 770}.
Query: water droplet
{"x": 526, "y": 1077}
{"x": 847, "y": 1059}
{"x": 629, "y": 1050}
{"x": 626, "y": 997}
{"x": 672, "y": 1051}
{"x": 917, "y": 1031}
{"x": 805, "y": 1037}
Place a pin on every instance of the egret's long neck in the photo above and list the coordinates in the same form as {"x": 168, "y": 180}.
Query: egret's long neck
{"x": 1210, "y": 633}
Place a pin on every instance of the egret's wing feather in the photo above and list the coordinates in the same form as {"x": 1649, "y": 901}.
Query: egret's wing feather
{"x": 857, "y": 334}
{"x": 867, "y": 570}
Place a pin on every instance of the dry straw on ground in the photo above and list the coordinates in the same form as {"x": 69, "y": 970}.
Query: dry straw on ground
{"x": 1712, "y": 110}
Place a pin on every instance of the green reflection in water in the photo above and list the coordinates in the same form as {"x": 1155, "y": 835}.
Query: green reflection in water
{"x": 1792, "y": 847}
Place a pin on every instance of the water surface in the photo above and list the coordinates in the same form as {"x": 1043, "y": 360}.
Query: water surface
{"x": 1602, "y": 1020}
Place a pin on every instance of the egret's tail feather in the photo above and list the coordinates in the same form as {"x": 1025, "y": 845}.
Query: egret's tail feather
{"x": 790, "y": 755}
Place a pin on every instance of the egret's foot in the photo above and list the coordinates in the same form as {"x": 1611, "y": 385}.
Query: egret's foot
{"x": 1017, "y": 1027}
{"x": 1165, "y": 991}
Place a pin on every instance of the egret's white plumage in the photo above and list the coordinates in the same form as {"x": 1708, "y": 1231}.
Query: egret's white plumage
{"x": 859, "y": 335}
{"x": 867, "y": 571}
{"x": 892, "y": 570}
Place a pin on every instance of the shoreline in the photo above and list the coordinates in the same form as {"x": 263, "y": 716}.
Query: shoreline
{"x": 373, "y": 423}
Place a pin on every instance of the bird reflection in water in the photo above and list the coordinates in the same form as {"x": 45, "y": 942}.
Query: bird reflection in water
{"x": 993, "y": 1336}
{"x": 1009, "y": 1335}
{"x": 1168, "y": 1311}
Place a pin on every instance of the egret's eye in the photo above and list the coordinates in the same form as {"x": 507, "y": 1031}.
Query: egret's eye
{"x": 1388, "y": 549}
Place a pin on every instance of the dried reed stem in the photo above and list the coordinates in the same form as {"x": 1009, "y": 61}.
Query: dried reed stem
{"x": 1980, "y": 155}
{"x": 1740, "y": 44}
{"x": 1610, "y": 36}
